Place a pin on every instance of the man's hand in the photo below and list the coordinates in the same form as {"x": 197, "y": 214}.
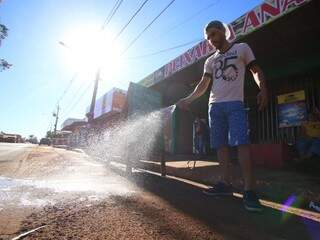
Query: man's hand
{"x": 262, "y": 99}
{"x": 184, "y": 104}
{"x": 200, "y": 89}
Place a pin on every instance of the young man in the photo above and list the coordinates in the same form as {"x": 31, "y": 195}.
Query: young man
{"x": 227, "y": 117}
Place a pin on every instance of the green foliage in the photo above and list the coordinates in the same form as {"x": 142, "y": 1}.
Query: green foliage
{"x": 3, "y": 34}
{"x": 50, "y": 134}
{"x": 32, "y": 139}
{"x": 4, "y": 65}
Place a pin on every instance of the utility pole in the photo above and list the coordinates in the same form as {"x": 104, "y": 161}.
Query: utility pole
{"x": 94, "y": 96}
{"x": 56, "y": 122}
{"x": 89, "y": 115}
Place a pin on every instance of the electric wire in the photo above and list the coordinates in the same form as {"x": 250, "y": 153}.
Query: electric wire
{"x": 106, "y": 22}
{"x": 111, "y": 14}
{"x": 75, "y": 96}
{"x": 67, "y": 88}
{"x": 77, "y": 101}
{"x": 188, "y": 19}
{"x": 132, "y": 17}
{"x": 146, "y": 28}
{"x": 165, "y": 33}
{"x": 165, "y": 50}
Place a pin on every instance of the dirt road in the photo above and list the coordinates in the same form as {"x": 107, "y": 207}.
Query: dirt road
{"x": 75, "y": 197}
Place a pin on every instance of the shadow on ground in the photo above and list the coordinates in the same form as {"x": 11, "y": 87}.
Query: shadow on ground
{"x": 225, "y": 215}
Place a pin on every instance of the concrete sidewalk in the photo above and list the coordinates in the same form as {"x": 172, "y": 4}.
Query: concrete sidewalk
{"x": 275, "y": 185}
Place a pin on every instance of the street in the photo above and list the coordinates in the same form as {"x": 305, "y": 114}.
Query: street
{"x": 8, "y": 151}
{"x": 72, "y": 196}
{"x": 160, "y": 120}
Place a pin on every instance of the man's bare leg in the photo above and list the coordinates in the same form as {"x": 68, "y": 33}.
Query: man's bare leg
{"x": 246, "y": 166}
{"x": 223, "y": 187}
{"x": 224, "y": 160}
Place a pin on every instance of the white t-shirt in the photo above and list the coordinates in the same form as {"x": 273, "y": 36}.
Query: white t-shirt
{"x": 228, "y": 70}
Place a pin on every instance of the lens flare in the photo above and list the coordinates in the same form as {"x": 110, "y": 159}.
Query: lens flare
{"x": 292, "y": 201}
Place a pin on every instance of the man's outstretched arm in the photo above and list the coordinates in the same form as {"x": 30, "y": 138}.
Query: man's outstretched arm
{"x": 200, "y": 89}
{"x": 257, "y": 73}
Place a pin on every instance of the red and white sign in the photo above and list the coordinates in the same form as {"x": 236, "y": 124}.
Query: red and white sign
{"x": 112, "y": 101}
{"x": 261, "y": 15}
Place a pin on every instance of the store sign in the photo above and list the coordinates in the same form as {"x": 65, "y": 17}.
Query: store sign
{"x": 194, "y": 54}
{"x": 103, "y": 104}
{"x": 118, "y": 101}
{"x": 191, "y": 56}
{"x": 291, "y": 97}
{"x": 142, "y": 100}
{"x": 261, "y": 15}
{"x": 292, "y": 109}
{"x": 268, "y": 11}
{"x": 70, "y": 121}
{"x": 112, "y": 101}
{"x": 154, "y": 77}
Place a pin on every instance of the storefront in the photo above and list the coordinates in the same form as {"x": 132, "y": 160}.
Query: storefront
{"x": 108, "y": 110}
{"x": 283, "y": 35}
{"x": 74, "y": 126}
{"x": 107, "y": 113}
{"x": 10, "y": 138}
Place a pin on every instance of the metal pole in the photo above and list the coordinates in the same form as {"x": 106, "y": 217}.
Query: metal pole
{"x": 271, "y": 102}
{"x": 276, "y": 108}
{"x": 263, "y": 125}
{"x": 267, "y": 124}
{"x": 56, "y": 122}
{"x": 94, "y": 96}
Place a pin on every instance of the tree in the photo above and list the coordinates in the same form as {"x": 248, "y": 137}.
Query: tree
{"x": 4, "y": 65}
{"x": 50, "y": 134}
{"x": 32, "y": 139}
{"x": 3, "y": 34}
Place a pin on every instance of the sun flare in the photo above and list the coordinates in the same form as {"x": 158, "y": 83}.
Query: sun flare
{"x": 89, "y": 48}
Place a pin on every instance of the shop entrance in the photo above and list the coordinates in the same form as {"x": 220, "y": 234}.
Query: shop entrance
{"x": 288, "y": 65}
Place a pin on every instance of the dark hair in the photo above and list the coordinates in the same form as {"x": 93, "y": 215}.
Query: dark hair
{"x": 215, "y": 24}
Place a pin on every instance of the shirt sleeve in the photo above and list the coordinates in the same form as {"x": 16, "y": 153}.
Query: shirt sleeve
{"x": 207, "y": 71}
{"x": 247, "y": 55}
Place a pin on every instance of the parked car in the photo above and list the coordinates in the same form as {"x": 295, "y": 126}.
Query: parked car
{"x": 45, "y": 141}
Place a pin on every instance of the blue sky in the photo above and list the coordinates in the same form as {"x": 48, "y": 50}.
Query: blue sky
{"x": 42, "y": 69}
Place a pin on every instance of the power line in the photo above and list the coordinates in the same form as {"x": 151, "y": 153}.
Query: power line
{"x": 76, "y": 102}
{"x": 68, "y": 87}
{"x": 145, "y": 29}
{"x": 75, "y": 95}
{"x": 173, "y": 28}
{"x": 190, "y": 18}
{"x": 50, "y": 123}
{"x": 133, "y": 16}
{"x": 166, "y": 50}
{"x": 61, "y": 97}
{"x": 108, "y": 19}
{"x": 106, "y": 22}
{"x": 112, "y": 13}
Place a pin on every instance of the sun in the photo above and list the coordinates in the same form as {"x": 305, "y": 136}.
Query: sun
{"x": 88, "y": 48}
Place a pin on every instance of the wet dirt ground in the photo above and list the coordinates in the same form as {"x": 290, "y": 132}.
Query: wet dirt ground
{"x": 72, "y": 196}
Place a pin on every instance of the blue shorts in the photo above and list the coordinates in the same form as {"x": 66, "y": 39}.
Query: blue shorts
{"x": 228, "y": 124}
